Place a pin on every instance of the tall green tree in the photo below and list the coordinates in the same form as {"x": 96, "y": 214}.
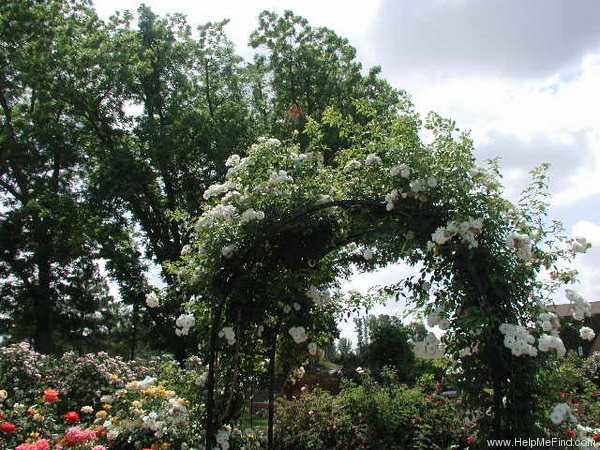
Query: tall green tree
{"x": 47, "y": 251}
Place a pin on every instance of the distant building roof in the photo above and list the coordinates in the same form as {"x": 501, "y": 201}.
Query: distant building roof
{"x": 566, "y": 309}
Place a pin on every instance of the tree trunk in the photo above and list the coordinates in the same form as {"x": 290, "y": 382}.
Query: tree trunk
{"x": 211, "y": 424}
{"x": 43, "y": 339}
{"x": 273, "y": 352}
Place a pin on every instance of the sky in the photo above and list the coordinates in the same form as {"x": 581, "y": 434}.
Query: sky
{"x": 522, "y": 76}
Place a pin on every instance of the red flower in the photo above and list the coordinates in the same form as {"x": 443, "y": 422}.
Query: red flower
{"x": 100, "y": 431}
{"x": 440, "y": 403}
{"x": 72, "y": 417}
{"x": 50, "y": 395}
{"x": 8, "y": 427}
{"x": 470, "y": 439}
{"x": 596, "y": 438}
{"x": 570, "y": 432}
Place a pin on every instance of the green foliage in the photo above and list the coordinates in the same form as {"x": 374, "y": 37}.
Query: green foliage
{"x": 368, "y": 415}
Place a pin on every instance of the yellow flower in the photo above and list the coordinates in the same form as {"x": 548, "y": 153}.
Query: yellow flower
{"x": 116, "y": 421}
{"x": 34, "y": 435}
{"x": 32, "y": 411}
{"x": 114, "y": 377}
{"x": 3, "y": 395}
{"x": 38, "y": 418}
{"x": 136, "y": 404}
{"x": 166, "y": 446}
{"x": 107, "y": 407}
{"x": 101, "y": 414}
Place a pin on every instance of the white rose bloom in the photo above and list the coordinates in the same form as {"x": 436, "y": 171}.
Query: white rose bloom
{"x": 228, "y": 334}
{"x": 233, "y": 160}
{"x": 367, "y": 254}
{"x": 372, "y": 160}
{"x": 229, "y": 250}
{"x": 318, "y": 297}
{"x": 521, "y": 243}
{"x": 251, "y": 214}
{"x": 403, "y": 170}
{"x": 432, "y": 182}
{"x": 547, "y": 343}
{"x": 312, "y": 348}
{"x": 561, "y": 413}
{"x": 184, "y": 322}
{"x": 296, "y": 306}
{"x": 581, "y": 307}
{"x": 298, "y": 334}
{"x": 518, "y": 339}
{"x": 146, "y": 383}
{"x": 391, "y": 199}
{"x": 287, "y": 309}
{"x": 587, "y": 334}
{"x": 436, "y": 318}
{"x": 152, "y": 300}
{"x": 580, "y": 245}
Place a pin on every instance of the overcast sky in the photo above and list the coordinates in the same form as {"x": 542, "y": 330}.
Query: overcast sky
{"x": 523, "y": 76}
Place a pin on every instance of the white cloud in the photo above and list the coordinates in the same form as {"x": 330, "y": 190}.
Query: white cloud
{"x": 588, "y": 230}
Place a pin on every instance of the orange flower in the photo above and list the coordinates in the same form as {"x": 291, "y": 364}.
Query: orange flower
{"x": 50, "y": 395}
{"x": 72, "y": 417}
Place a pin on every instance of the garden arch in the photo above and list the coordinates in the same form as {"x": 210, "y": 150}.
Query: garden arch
{"x": 284, "y": 225}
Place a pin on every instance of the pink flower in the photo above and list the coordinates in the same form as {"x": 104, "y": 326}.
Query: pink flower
{"x": 42, "y": 444}
{"x": 99, "y": 447}
{"x": 77, "y": 435}
{"x": 311, "y": 413}
{"x": 470, "y": 439}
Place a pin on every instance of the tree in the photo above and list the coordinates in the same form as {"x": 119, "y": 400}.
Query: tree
{"x": 48, "y": 250}
{"x": 388, "y": 346}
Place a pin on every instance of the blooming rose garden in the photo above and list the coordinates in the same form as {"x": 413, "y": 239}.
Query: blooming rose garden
{"x": 256, "y": 293}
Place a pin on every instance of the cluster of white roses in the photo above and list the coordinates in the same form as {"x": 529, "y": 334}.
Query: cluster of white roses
{"x": 217, "y": 189}
{"x": 548, "y": 342}
{"x": 581, "y": 307}
{"x": 222, "y": 438}
{"x": 218, "y": 213}
{"x": 580, "y": 245}
{"x": 436, "y": 317}
{"x": 280, "y": 177}
{"x": 562, "y": 413}
{"x": 251, "y": 214}
{"x": 295, "y": 306}
{"x": 318, "y": 297}
{"x": 184, "y": 323}
{"x": 518, "y": 339}
{"x": 587, "y": 334}
{"x": 467, "y": 230}
{"x": 229, "y": 250}
{"x": 549, "y": 322}
{"x": 521, "y": 243}
{"x": 228, "y": 334}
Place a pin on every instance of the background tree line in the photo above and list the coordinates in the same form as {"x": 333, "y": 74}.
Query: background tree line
{"x": 109, "y": 134}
